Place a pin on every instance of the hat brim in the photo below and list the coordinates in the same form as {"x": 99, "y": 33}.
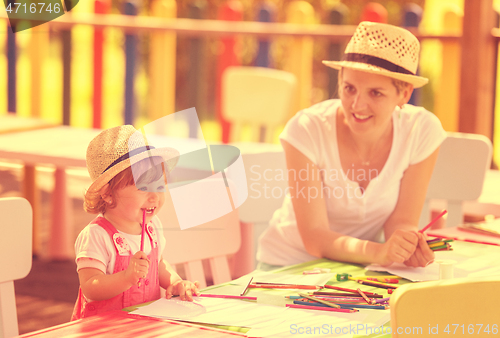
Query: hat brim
{"x": 170, "y": 157}
{"x": 416, "y": 81}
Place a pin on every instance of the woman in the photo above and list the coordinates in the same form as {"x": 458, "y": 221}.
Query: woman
{"x": 359, "y": 167}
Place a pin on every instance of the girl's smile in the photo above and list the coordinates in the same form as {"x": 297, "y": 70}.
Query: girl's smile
{"x": 132, "y": 201}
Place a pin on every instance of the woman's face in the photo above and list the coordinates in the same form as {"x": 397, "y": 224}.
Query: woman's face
{"x": 368, "y": 100}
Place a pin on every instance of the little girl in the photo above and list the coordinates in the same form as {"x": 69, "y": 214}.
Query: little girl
{"x": 128, "y": 184}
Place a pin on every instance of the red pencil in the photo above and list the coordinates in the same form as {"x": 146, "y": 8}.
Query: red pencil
{"x": 283, "y": 286}
{"x": 143, "y": 226}
{"x": 142, "y": 237}
{"x": 433, "y": 221}
{"x": 227, "y": 296}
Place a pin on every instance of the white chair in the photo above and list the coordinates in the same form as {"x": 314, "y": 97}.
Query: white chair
{"x": 258, "y": 97}
{"x": 16, "y": 229}
{"x": 213, "y": 241}
{"x": 266, "y": 173}
{"x": 458, "y": 176}
{"x": 464, "y": 306}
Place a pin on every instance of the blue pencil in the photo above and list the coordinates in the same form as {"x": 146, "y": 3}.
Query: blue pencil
{"x": 343, "y": 306}
{"x": 362, "y": 306}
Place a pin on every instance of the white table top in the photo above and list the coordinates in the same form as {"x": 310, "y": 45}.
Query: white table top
{"x": 62, "y": 146}
{"x": 13, "y": 123}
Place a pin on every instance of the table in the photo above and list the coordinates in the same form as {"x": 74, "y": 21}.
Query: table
{"x": 66, "y": 146}
{"x": 62, "y": 147}
{"x": 12, "y": 123}
{"x": 122, "y": 324}
{"x": 140, "y": 326}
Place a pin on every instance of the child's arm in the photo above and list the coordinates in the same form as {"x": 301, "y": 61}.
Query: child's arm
{"x": 174, "y": 284}
{"x": 96, "y": 285}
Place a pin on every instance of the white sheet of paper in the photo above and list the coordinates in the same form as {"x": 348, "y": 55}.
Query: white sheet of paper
{"x": 311, "y": 323}
{"x": 218, "y": 311}
{"x": 472, "y": 259}
{"x": 264, "y": 320}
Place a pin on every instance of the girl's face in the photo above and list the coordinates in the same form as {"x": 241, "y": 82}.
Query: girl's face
{"x": 368, "y": 100}
{"x": 132, "y": 200}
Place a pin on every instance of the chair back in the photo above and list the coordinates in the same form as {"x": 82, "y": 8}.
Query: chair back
{"x": 267, "y": 182}
{"x": 257, "y": 97}
{"x": 212, "y": 241}
{"x": 458, "y": 175}
{"x": 16, "y": 228}
{"x": 462, "y": 306}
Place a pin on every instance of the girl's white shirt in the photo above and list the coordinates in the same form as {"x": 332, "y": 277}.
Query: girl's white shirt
{"x": 416, "y": 135}
{"x": 95, "y": 243}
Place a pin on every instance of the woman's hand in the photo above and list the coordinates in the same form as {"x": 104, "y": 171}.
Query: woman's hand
{"x": 137, "y": 268}
{"x": 398, "y": 248}
{"x": 423, "y": 254}
{"x": 184, "y": 288}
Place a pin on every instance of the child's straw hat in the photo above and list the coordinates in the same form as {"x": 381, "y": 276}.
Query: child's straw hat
{"x": 383, "y": 49}
{"x": 116, "y": 149}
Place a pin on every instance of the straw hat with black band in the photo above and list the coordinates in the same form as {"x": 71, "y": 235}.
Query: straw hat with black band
{"x": 383, "y": 49}
{"x": 116, "y": 149}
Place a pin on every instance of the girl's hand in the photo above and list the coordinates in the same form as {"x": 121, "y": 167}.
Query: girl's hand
{"x": 184, "y": 288}
{"x": 137, "y": 268}
{"x": 398, "y": 248}
{"x": 423, "y": 255}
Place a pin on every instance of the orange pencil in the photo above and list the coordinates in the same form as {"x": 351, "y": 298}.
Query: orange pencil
{"x": 368, "y": 300}
{"x": 377, "y": 284}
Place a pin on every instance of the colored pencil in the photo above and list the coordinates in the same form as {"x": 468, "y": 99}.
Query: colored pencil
{"x": 382, "y": 300}
{"x": 283, "y": 286}
{"x": 383, "y": 280}
{"x": 433, "y": 221}
{"x": 316, "y": 293}
{"x": 246, "y": 287}
{"x": 363, "y": 306}
{"x": 383, "y": 276}
{"x": 142, "y": 238}
{"x": 335, "y": 299}
{"x": 321, "y": 308}
{"x": 437, "y": 244}
{"x": 367, "y": 300}
{"x": 143, "y": 228}
{"x": 439, "y": 239}
{"x": 343, "y": 306}
{"x": 319, "y": 300}
{"x": 445, "y": 246}
{"x": 344, "y": 289}
{"x": 377, "y": 284}
{"x": 445, "y": 249}
{"x": 227, "y": 296}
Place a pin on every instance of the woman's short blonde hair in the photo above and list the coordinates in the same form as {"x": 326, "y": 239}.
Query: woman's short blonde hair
{"x": 94, "y": 203}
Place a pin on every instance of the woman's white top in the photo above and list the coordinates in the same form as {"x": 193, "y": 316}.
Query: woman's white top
{"x": 416, "y": 135}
